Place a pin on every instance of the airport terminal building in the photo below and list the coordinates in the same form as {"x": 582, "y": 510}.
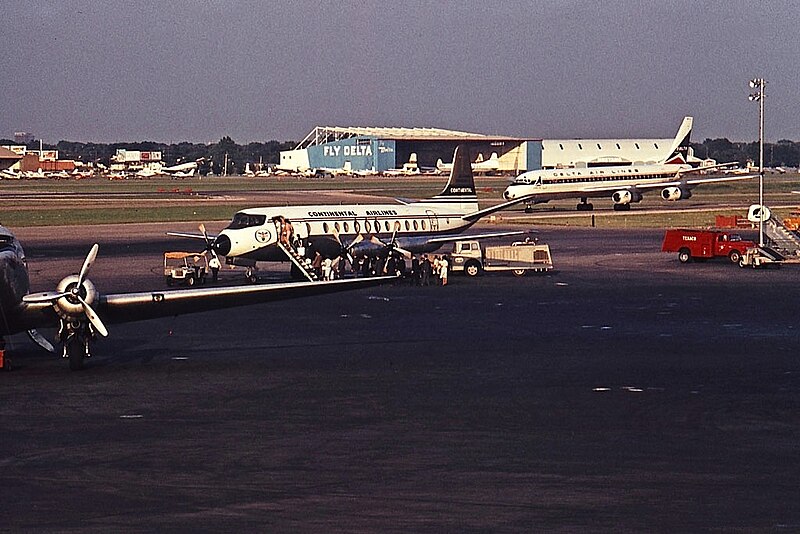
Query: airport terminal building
{"x": 383, "y": 149}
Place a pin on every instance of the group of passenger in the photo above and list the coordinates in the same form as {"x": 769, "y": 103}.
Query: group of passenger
{"x": 425, "y": 270}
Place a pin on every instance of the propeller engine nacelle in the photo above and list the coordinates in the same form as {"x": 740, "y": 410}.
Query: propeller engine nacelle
{"x": 69, "y": 305}
{"x": 626, "y": 196}
{"x": 675, "y": 193}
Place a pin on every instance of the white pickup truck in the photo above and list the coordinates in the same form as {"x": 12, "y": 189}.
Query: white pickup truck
{"x": 519, "y": 258}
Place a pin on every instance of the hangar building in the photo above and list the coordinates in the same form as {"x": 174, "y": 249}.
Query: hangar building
{"x": 382, "y": 149}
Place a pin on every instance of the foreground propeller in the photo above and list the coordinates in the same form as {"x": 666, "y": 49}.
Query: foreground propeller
{"x": 209, "y": 242}
{"x": 73, "y": 300}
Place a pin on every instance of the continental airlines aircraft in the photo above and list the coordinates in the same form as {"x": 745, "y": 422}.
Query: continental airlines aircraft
{"x": 625, "y": 184}
{"x": 337, "y": 230}
{"x": 76, "y": 305}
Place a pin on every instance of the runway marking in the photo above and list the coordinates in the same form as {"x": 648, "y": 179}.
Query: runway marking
{"x": 131, "y": 416}
{"x": 601, "y": 389}
{"x": 562, "y": 284}
{"x": 373, "y": 297}
{"x": 180, "y": 358}
{"x": 633, "y": 389}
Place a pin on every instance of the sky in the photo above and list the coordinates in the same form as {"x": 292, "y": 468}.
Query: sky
{"x": 183, "y": 70}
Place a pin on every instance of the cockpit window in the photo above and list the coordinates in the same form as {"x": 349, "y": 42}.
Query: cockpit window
{"x": 246, "y": 220}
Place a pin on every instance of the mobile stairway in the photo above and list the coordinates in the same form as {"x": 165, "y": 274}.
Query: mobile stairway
{"x": 783, "y": 246}
{"x": 284, "y": 230}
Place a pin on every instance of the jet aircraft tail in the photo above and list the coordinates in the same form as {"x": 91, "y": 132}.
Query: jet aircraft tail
{"x": 680, "y": 146}
{"x": 460, "y": 184}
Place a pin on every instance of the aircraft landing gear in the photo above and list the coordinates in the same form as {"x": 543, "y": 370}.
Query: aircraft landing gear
{"x": 528, "y": 208}
{"x": 585, "y": 206}
{"x": 75, "y": 337}
{"x": 622, "y": 207}
{"x": 251, "y": 274}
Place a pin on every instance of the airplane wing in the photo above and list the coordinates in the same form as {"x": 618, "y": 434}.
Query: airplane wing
{"x": 124, "y": 307}
{"x": 462, "y": 237}
{"x": 691, "y": 182}
{"x": 191, "y": 236}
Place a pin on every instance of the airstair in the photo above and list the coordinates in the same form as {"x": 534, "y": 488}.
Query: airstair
{"x": 783, "y": 240}
{"x": 284, "y": 243}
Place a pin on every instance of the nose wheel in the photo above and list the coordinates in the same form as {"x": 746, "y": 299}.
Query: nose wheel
{"x": 75, "y": 339}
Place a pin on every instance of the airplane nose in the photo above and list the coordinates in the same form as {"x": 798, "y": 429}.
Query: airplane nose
{"x": 507, "y": 195}
{"x": 222, "y": 245}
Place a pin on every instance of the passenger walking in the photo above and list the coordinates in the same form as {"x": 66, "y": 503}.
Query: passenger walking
{"x": 214, "y": 265}
{"x": 443, "y": 265}
{"x": 316, "y": 264}
{"x": 326, "y": 269}
{"x": 415, "y": 274}
{"x": 425, "y": 270}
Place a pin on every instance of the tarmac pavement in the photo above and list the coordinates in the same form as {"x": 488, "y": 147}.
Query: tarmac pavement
{"x": 622, "y": 392}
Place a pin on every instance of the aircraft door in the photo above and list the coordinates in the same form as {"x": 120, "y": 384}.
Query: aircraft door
{"x": 433, "y": 220}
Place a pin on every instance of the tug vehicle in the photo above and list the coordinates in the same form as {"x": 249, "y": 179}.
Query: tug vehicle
{"x": 520, "y": 257}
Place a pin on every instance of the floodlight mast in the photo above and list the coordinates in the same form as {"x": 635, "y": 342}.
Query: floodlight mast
{"x": 758, "y": 84}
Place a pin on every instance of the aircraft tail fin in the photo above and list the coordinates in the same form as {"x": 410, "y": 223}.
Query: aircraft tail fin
{"x": 460, "y": 184}
{"x": 680, "y": 146}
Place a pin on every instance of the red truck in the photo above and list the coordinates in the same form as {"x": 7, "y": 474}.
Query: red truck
{"x": 690, "y": 244}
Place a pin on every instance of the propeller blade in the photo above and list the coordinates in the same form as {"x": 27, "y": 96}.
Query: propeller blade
{"x": 93, "y": 318}
{"x": 47, "y": 296}
{"x": 88, "y": 263}
{"x": 403, "y": 251}
{"x": 40, "y": 340}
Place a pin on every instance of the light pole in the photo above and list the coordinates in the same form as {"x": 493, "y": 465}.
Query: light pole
{"x": 758, "y": 84}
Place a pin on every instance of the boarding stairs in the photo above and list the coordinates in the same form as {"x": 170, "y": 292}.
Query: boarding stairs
{"x": 299, "y": 262}
{"x": 783, "y": 240}
{"x": 283, "y": 228}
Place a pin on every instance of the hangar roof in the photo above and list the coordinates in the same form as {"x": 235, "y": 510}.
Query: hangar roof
{"x": 326, "y": 134}
{"x": 573, "y": 152}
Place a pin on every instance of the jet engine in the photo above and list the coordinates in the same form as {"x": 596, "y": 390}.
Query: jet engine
{"x": 675, "y": 193}
{"x": 626, "y": 196}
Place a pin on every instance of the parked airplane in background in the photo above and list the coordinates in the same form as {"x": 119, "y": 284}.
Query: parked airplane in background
{"x": 255, "y": 234}
{"x": 76, "y": 305}
{"x": 625, "y": 184}
{"x": 183, "y": 170}
{"x": 479, "y": 166}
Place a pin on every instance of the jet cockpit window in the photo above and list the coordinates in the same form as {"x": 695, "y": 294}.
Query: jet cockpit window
{"x": 6, "y": 243}
{"x": 246, "y": 220}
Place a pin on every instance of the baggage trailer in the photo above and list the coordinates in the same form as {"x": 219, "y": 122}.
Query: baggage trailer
{"x": 704, "y": 244}
{"x": 521, "y": 257}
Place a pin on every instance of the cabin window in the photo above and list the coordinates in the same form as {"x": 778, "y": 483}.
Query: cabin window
{"x": 336, "y": 225}
{"x": 416, "y": 226}
{"x": 346, "y": 226}
{"x": 561, "y": 146}
{"x": 377, "y": 225}
{"x": 599, "y": 147}
{"x": 636, "y": 145}
{"x": 356, "y": 227}
{"x": 655, "y": 145}
{"x": 367, "y": 226}
{"x": 408, "y": 226}
{"x": 325, "y": 227}
{"x": 423, "y": 224}
{"x": 397, "y": 226}
{"x": 619, "y": 147}
{"x": 580, "y": 147}
{"x": 308, "y": 229}
{"x": 386, "y": 225}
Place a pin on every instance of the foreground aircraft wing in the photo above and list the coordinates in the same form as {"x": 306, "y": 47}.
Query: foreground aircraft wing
{"x": 127, "y": 307}
{"x": 124, "y": 307}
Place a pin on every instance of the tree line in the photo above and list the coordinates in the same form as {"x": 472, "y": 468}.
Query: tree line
{"x": 784, "y": 153}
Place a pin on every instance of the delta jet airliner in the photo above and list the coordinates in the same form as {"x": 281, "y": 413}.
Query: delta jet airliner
{"x": 624, "y": 184}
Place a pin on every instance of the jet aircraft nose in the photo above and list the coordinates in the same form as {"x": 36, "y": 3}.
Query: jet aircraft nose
{"x": 507, "y": 195}
{"x": 222, "y": 245}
